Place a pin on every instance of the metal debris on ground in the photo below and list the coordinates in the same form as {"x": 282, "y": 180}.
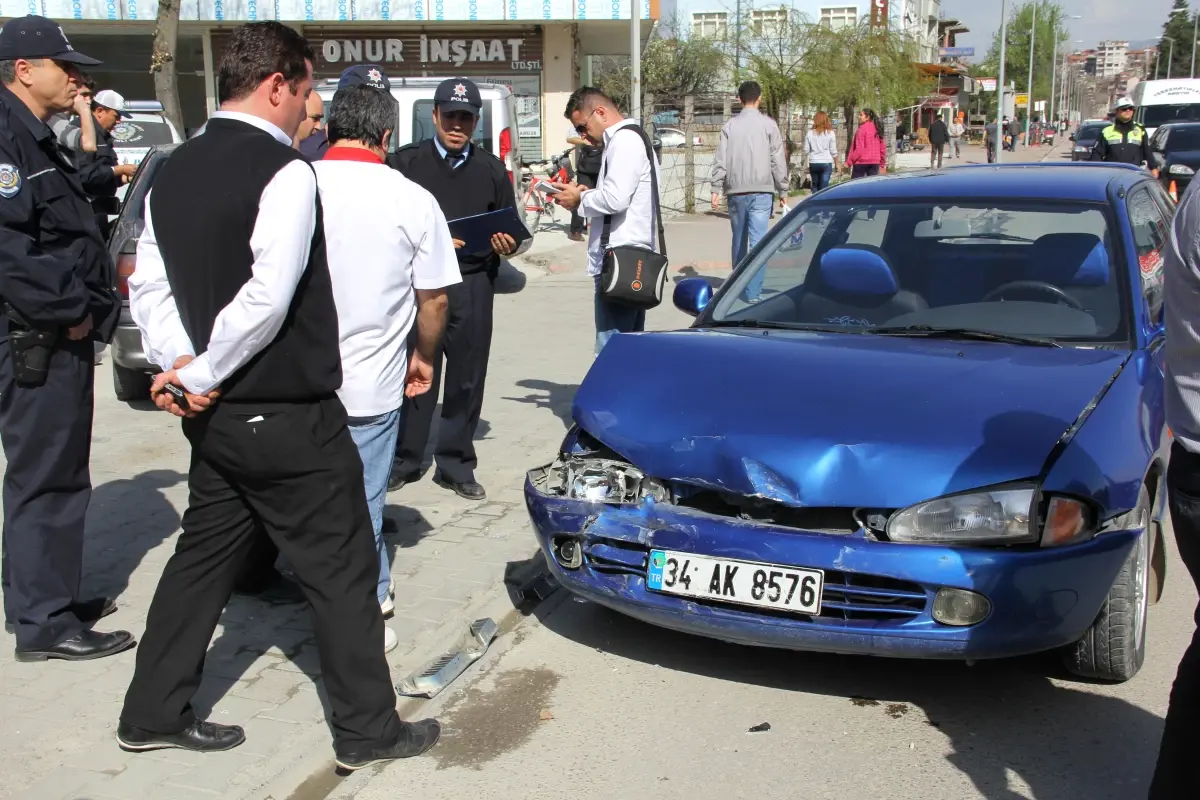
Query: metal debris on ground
{"x": 760, "y": 728}
{"x": 440, "y": 672}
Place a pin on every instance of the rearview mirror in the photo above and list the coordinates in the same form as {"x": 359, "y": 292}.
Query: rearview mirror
{"x": 942, "y": 229}
{"x": 692, "y": 295}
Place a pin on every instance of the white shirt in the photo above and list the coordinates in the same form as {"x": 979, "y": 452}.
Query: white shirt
{"x": 282, "y": 238}
{"x": 384, "y": 237}
{"x": 623, "y": 190}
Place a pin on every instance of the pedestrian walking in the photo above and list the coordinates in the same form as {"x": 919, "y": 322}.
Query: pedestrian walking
{"x": 750, "y": 168}
{"x": 390, "y": 269}
{"x": 1176, "y": 776}
{"x": 939, "y": 137}
{"x": 101, "y": 172}
{"x": 992, "y": 138}
{"x": 466, "y": 180}
{"x": 1014, "y": 133}
{"x": 957, "y": 132}
{"x": 588, "y": 158}
{"x": 821, "y": 144}
{"x": 868, "y": 153}
{"x": 233, "y": 298}
{"x": 58, "y": 296}
{"x": 624, "y": 199}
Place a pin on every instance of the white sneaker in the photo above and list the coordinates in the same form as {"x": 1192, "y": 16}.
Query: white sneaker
{"x": 390, "y": 640}
{"x": 392, "y": 588}
{"x": 388, "y": 607}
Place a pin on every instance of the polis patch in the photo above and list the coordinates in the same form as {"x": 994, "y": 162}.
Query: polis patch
{"x": 10, "y": 180}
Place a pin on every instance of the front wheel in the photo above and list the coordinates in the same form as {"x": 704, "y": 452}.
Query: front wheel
{"x": 1114, "y": 648}
{"x": 131, "y": 384}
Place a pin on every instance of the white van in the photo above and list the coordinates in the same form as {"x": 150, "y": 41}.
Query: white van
{"x": 1160, "y": 102}
{"x": 496, "y": 132}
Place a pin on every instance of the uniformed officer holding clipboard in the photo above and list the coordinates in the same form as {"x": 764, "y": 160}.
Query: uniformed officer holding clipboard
{"x": 467, "y": 181}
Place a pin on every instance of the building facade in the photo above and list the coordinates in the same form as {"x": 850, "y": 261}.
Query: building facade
{"x": 1111, "y": 59}
{"x": 537, "y": 47}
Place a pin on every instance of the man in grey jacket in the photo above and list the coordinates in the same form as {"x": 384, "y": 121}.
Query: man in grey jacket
{"x": 750, "y": 167}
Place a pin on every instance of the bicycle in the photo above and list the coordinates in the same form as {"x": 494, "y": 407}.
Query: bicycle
{"x": 558, "y": 170}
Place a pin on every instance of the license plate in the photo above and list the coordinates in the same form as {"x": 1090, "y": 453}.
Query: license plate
{"x": 731, "y": 581}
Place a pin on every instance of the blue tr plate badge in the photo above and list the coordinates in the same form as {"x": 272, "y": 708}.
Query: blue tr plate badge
{"x": 654, "y": 575}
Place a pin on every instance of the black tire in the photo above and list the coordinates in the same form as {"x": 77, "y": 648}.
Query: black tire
{"x": 1114, "y": 648}
{"x": 131, "y": 384}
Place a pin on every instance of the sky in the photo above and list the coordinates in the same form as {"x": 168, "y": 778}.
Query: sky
{"x": 1102, "y": 19}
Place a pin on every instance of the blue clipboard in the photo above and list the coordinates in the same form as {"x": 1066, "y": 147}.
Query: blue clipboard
{"x": 477, "y": 231}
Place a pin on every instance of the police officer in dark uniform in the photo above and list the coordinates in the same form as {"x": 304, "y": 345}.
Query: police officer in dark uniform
{"x": 56, "y": 286}
{"x": 314, "y": 145}
{"x": 1124, "y": 141}
{"x": 101, "y": 172}
{"x": 466, "y": 180}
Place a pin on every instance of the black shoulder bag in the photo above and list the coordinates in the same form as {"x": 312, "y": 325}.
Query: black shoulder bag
{"x": 630, "y": 274}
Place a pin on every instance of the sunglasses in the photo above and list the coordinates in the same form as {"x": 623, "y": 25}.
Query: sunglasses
{"x": 582, "y": 129}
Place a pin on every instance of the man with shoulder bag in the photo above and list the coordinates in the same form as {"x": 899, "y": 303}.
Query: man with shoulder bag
{"x": 627, "y": 253}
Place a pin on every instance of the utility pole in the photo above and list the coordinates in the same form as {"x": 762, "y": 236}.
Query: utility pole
{"x": 1029, "y": 90}
{"x": 635, "y": 60}
{"x": 1000, "y": 86}
{"x": 1195, "y": 33}
{"x": 737, "y": 44}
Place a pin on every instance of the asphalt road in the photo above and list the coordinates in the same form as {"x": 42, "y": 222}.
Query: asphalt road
{"x": 584, "y": 703}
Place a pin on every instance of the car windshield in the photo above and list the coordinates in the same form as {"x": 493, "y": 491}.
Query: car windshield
{"x": 1014, "y": 268}
{"x": 141, "y": 132}
{"x": 1155, "y": 116}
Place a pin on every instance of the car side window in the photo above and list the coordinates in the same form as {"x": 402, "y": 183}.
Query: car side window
{"x": 1151, "y": 233}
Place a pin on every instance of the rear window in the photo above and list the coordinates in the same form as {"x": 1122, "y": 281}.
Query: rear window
{"x": 1092, "y": 131}
{"x": 141, "y": 133}
{"x": 422, "y": 124}
{"x": 1182, "y": 139}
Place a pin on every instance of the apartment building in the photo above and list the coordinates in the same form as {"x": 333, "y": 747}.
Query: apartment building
{"x": 1111, "y": 58}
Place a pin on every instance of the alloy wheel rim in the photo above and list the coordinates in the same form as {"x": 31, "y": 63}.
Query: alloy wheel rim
{"x": 1140, "y": 581}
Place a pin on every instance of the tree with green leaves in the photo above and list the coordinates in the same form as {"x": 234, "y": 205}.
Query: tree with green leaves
{"x": 1175, "y": 50}
{"x": 1049, "y": 33}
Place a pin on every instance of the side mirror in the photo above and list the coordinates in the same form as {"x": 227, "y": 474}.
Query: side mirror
{"x": 1072, "y": 137}
{"x": 692, "y": 295}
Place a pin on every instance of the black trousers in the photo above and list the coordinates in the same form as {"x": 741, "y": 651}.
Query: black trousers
{"x": 936, "y": 151}
{"x": 466, "y": 345}
{"x": 1177, "y": 776}
{"x": 588, "y": 179}
{"x": 46, "y": 432}
{"x": 297, "y": 475}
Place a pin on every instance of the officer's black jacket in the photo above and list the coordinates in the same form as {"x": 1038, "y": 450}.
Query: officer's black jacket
{"x": 96, "y": 169}
{"x": 54, "y": 266}
{"x": 1126, "y": 143}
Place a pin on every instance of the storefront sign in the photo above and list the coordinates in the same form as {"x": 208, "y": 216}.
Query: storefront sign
{"x": 987, "y": 84}
{"x": 433, "y": 52}
{"x": 879, "y": 13}
{"x": 957, "y": 52}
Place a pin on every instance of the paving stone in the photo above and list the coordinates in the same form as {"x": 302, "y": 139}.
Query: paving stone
{"x": 234, "y": 710}
{"x": 219, "y": 771}
{"x": 303, "y": 706}
{"x": 265, "y": 737}
{"x": 141, "y": 781}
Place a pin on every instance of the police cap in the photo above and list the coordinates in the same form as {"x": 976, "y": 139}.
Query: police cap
{"x": 458, "y": 94}
{"x": 32, "y": 36}
{"x": 364, "y": 75}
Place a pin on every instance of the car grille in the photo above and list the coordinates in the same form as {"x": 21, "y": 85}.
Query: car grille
{"x": 847, "y": 596}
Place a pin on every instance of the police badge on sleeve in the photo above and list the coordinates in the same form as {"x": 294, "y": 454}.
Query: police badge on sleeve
{"x": 10, "y": 180}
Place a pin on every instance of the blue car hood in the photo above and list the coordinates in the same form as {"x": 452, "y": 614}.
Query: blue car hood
{"x": 835, "y": 420}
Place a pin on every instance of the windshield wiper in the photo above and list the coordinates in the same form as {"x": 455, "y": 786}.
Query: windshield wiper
{"x": 929, "y": 332}
{"x": 1001, "y": 237}
{"x": 763, "y": 324}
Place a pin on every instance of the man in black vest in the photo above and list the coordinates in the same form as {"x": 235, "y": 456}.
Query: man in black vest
{"x": 233, "y": 297}
{"x": 57, "y": 296}
{"x": 466, "y": 180}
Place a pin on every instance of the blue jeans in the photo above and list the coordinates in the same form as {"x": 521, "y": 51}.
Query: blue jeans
{"x": 749, "y": 214}
{"x": 614, "y": 318}
{"x": 375, "y": 438}
{"x": 820, "y": 175}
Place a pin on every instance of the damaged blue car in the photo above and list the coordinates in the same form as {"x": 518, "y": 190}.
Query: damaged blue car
{"x": 936, "y": 432}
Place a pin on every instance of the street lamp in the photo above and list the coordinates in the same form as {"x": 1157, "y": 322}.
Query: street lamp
{"x": 1055, "y": 106}
{"x": 1029, "y": 86}
{"x": 999, "y": 144}
{"x": 1195, "y": 33}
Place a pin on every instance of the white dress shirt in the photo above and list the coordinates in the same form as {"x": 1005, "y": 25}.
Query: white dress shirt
{"x": 623, "y": 190}
{"x": 384, "y": 237}
{"x": 281, "y": 241}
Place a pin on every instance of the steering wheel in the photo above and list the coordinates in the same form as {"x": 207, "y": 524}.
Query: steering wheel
{"x": 1037, "y": 286}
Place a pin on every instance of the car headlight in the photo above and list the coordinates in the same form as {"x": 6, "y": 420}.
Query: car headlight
{"x": 601, "y": 480}
{"x": 1081, "y": 149}
{"x": 1181, "y": 169}
{"x": 1001, "y": 516}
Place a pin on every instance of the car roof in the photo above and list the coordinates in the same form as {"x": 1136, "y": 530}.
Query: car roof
{"x": 1078, "y": 181}
{"x": 1174, "y": 125}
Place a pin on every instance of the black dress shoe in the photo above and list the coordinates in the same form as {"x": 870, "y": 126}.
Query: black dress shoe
{"x": 416, "y": 738}
{"x": 84, "y": 647}
{"x": 87, "y": 610}
{"x": 202, "y": 736}
{"x": 398, "y": 480}
{"x": 468, "y": 490}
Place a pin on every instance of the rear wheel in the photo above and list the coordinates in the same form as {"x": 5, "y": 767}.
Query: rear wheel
{"x": 130, "y": 384}
{"x": 1114, "y": 648}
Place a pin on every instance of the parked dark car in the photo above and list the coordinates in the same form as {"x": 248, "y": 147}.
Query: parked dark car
{"x": 1177, "y": 152}
{"x": 1086, "y": 137}
{"x": 132, "y": 371}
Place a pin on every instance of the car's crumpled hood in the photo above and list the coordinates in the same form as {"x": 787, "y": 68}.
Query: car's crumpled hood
{"x": 824, "y": 420}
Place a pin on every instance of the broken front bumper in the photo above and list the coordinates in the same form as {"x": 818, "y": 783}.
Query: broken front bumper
{"x": 878, "y": 596}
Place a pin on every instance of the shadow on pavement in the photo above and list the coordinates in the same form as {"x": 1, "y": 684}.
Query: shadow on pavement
{"x": 1002, "y": 717}
{"x": 555, "y": 396}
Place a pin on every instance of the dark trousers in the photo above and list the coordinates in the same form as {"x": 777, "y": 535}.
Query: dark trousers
{"x": 820, "y": 175}
{"x": 1177, "y": 776}
{"x": 864, "y": 171}
{"x": 936, "y": 151}
{"x": 466, "y": 345}
{"x": 46, "y": 432}
{"x": 589, "y": 180}
{"x": 297, "y": 475}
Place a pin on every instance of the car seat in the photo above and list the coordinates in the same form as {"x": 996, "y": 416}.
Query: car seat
{"x": 855, "y": 284}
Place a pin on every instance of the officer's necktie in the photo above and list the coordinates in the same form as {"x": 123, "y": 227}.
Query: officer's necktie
{"x": 454, "y": 159}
